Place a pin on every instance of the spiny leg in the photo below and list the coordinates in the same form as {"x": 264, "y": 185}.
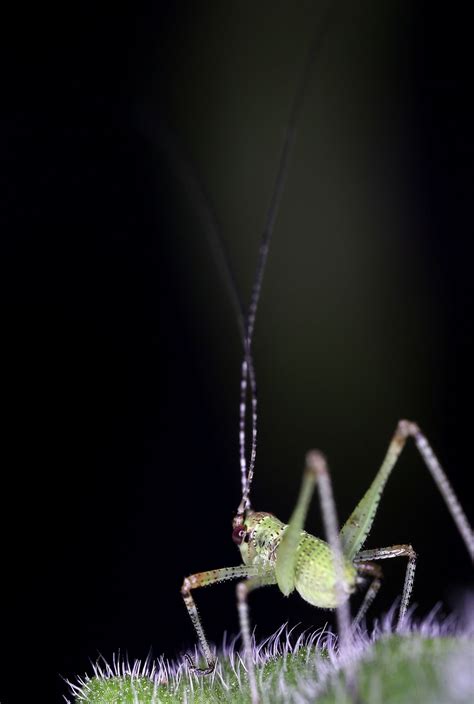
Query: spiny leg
{"x": 357, "y": 527}
{"x": 446, "y": 490}
{"x": 388, "y": 553}
{"x": 316, "y": 472}
{"x": 243, "y": 590}
{"x": 316, "y": 462}
{"x": 375, "y": 572}
{"x": 205, "y": 579}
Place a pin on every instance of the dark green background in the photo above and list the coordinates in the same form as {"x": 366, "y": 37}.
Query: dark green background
{"x": 121, "y": 385}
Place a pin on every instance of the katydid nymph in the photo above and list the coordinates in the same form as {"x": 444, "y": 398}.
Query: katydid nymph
{"x": 324, "y": 572}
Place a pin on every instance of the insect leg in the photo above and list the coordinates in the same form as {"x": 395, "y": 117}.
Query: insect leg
{"x": 387, "y": 553}
{"x": 375, "y": 572}
{"x": 357, "y": 527}
{"x": 205, "y": 579}
{"x": 243, "y": 590}
{"x": 445, "y": 488}
{"x": 316, "y": 473}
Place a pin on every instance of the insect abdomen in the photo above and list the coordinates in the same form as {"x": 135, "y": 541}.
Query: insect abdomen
{"x": 315, "y": 578}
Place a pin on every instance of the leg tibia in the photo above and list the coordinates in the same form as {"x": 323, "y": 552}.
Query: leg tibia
{"x": 387, "y": 553}
{"x": 445, "y": 488}
{"x": 375, "y": 572}
{"x": 316, "y": 473}
{"x": 243, "y": 590}
{"x": 203, "y": 579}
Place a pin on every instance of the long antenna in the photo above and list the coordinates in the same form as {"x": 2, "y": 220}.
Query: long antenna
{"x": 183, "y": 166}
{"x": 272, "y": 212}
{"x": 167, "y": 143}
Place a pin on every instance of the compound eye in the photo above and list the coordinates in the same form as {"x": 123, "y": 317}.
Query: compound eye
{"x": 238, "y": 535}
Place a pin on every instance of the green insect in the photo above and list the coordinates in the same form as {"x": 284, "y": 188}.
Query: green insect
{"x": 275, "y": 553}
{"x": 324, "y": 573}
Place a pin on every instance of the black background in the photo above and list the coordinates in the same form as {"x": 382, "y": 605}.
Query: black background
{"x": 120, "y": 350}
